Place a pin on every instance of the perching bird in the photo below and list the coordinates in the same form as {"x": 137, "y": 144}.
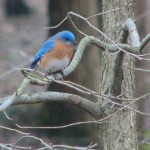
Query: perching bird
{"x": 56, "y": 53}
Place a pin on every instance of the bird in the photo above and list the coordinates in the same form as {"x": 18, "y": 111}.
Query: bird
{"x": 56, "y": 53}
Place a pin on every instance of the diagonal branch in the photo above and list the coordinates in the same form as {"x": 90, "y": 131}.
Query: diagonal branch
{"x": 9, "y": 100}
{"x": 103, "y": 46}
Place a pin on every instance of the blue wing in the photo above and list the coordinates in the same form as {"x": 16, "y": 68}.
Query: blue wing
{"x": 47, "y": 46}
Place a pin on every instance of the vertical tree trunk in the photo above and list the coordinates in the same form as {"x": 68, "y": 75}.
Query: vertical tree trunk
{"x": 119, "y": 132}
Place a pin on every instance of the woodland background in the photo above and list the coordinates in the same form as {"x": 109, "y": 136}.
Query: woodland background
{"x": 21, "y": 35}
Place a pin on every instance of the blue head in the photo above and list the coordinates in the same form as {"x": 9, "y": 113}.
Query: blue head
{"x": 67, "y": 37}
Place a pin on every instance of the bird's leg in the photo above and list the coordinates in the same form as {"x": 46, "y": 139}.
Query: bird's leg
{"x": 61, "y": 72}
{"x": 55, "y": 74}
{"x": 51, "y": 73}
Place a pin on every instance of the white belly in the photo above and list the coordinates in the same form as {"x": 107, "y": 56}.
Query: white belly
{"x": 57, "y": 65}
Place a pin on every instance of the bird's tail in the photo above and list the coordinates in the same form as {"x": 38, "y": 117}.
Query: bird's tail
{"x": 33, "y": 65}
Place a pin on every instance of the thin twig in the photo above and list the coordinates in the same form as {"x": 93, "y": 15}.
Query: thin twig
{"x": 14, "y": 130}
{"x": 90, "y": 147}
{"x": 84, "y": 90}
{"x": 87, "y": 122}
{"x": 77, "y": 28}
{"x": 106, "y": 12}
{"x": 141, "y": 69}
{"x": 144, "y": 42}
{"x": 7, "y": 116}
{"x": 36, "y": 138}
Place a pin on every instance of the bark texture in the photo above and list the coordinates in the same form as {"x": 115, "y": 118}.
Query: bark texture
{"x": 119, "y": 132}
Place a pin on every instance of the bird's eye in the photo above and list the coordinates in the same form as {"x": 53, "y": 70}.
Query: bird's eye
{"x": 67, "y": 39}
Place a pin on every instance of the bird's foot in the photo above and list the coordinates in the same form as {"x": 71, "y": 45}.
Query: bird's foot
{"x": 55, "y": 74}
{"x": 61, "y": 72}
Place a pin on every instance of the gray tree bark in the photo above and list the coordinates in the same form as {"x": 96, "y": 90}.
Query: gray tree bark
{"x": 119, "y": 132}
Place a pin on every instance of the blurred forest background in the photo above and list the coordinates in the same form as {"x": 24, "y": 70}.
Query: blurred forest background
{"x": 21, "y": 35}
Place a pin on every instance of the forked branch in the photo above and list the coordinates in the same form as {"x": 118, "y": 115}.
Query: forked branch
{"x": 135, "y": 49}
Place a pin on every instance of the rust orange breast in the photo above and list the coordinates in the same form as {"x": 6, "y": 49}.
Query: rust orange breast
{"x": 59, "y": 52}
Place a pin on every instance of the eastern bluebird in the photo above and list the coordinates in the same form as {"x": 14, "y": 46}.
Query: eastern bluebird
{"x": 56, "y": 53}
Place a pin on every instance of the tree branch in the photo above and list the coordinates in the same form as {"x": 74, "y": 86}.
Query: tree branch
{"x": 103, "y": 45}
{"x": 31, "y": 79}
{"x": 52, "y": 147}
{"x": 144, "y": 42}
{"x": 43, "y": 97}
{"x": 9, "y": 100}
{"x": 130, "y": 26}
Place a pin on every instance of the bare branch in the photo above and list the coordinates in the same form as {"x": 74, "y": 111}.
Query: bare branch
{"x": 14, "y": 130}
{"x": 4, "y": 147}
{"x": 114, "y": 48}
{"x": 59, "y": 127}
{"x": 19, "y": 98}
{"x": 136, "y": 47}
{"x": 84, "y": 90}
{"x": 54, "y": 27}
{"x": 90, "y": 92}
{"x": 43, "y": 97}
{"x": 7, "y": 116}
{"x": 75, "y": 61}
{"x": 36, "y": 138}
{"x": 52, "y": 147}
{"x": 140, "y": 69}
{"x": 129, "y": 26}
{"x": 100, "y": 121}
{"x": 81, "y": 47}
{"x": 19, "y": 147}
{"x": 84, "y": 42}
{"x": 9, "y": 100}
{"x": 106, "y": 12}
{"x": 90, "y": 147}
{"x": 144, "y": 42}
{"x": 76, "y": 27}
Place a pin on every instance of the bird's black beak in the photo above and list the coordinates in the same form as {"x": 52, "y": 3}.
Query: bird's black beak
{"x": 75, "y": 45}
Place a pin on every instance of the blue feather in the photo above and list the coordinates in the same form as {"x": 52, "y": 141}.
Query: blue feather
{"x": 66, "y": 36}
{"x": 47, "y": 46}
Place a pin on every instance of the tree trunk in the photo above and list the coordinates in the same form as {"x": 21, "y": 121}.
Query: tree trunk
{"x": 119, "y": 132}
{"x": 16, "y": 8}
